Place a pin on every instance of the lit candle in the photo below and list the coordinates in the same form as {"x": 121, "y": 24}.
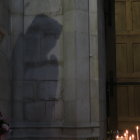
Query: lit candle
{"x": 126, "y": 134}
{"x": 130, "y": 138}
{"x": 133, "y": 137}
{"x": 117, "y": 137}
{"x": 137, "y": 132}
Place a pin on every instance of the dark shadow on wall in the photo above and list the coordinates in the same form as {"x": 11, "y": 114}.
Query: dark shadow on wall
{"x": 35, "y": 71}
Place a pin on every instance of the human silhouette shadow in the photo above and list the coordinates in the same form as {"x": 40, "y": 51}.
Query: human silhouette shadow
{"x": 35, "y": 71}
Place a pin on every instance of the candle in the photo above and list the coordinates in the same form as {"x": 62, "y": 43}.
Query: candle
{"x": 117, "y": 137}
{"x": 133, "y": 137}
{"x": 126, "y": 132}
{"x": 137, "y": 132}
{"x": 125, "y": 136}
{"x": 130, "y": 138}
{"x": 122, "y": 138}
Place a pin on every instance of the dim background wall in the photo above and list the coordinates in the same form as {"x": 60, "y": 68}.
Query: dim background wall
{"x": 78, "y": 106}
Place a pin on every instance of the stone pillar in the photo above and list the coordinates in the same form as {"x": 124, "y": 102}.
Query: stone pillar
{"x": 5, "y": 83}
{"x": 84, "y": 68}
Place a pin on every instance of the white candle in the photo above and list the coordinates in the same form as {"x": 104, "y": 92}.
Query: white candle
{"x": 126, "y": 134}
{"x": 137, "y": 132}
{"x": 117, "y": 137}
{"x": 133, "y": 137}
{"x": 130, "y": 138}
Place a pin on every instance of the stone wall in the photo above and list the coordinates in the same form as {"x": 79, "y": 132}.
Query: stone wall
{"x": 56, "y": 88}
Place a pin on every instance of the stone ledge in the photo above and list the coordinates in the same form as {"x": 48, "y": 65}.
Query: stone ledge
{"x": 46, "y": 131}
{"x": 19, "y": 125}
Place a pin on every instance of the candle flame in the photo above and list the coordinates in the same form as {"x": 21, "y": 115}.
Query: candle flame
{"x": 126, "y": 131}
{"x": 137, "y": 127}
{"x": 117, "y": 137}
{"x": 133, "y": 135}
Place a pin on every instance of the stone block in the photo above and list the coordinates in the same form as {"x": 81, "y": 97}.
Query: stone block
{"x": 5, "y": 109}
{"x": 6, "y": 49}
{"x": 46, "y": 72}
{"x": 34, "y": 111}
{"x": 17, "y": 7}
{"x": 4, "y": 70}
{"x": 18, "y": 90}
{"x": 14, "y": 40}
{"x": 31, "y": 50}
{"x": 93, "y": 6}
{"x": 69, "y": 21}
{"x": 58, "y": 111}
{"x": 69, "y": 5}
{"x": 83, "y": 111}
{"x": 69, "y": 66}
{"x": 18, "y": 112}
{"x": 93, "y": 23}
{"x": 82, "y": 5}
{"x": 50, "y": 111}
{"x": 5, "y": 89}
{"x": 70, "y": 112}
{"x": 82, "y": 66}
{"x": 17, "y": 24}
{"x": 24, "y": 90}
{"x": 29, "y": 90}
{"x": 95, "y": 116}
{"x": 18, "y": 59}
{"x": 82, "y": 21}
{"x": 48, "y": 90}
{"x": 43, "y": 6}
{"x": 76, "y": 21}
{"x": 94, "y": 62}
{"x": 5, "y": 16}
{"x": 75, "y": 4}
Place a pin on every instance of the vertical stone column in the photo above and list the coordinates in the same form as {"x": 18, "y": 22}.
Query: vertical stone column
{"x": 17, "y": 29}
{"x": 97, "y": 66}
{"x": 84, "y": 68}
{"x": 5, "y": 85}
{"x": 76, "y": 62}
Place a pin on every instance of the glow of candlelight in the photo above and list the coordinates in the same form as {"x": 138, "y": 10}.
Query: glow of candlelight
{"x": 137, "y": 132}
{"x": 125, "y": 136}
{"x": 126, "y": 132}
{"x": 117, "y": 137}
{"x": 133, "y": 137}
{"x": 130, "y": 138}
